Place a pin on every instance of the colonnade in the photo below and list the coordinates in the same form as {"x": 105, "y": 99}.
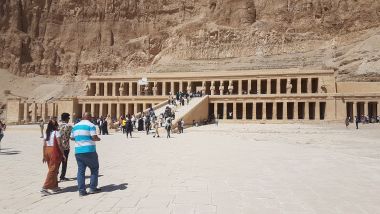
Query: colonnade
{"x": 33, "y": 112}
{"x": 362, "y": 108}
{"x": 297, "y": 85}
{"x": 268, "y": 110}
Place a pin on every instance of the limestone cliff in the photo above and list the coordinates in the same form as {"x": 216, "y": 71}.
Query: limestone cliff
{"x": 79, "y": 37}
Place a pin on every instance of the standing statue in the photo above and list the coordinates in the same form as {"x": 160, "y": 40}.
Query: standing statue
{"x": 221, "y": 88}
{"x": 289, "y": 87}
{"x": 230, "y": 87}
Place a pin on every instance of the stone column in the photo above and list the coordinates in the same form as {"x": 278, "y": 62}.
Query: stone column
{"x": 109, "y": 109}
{"x": 249, "y": 87}
{"x": 163, "y": 88}
{"x": 224, "y": 110}
{"x": 83, "y": 109}
{"x": 212, "y": 88}
{"x": 285, "y": 110}
{"x": 105, "y": 88}
{"x": 307, "y": 117}
{"x": 240, "y": 87}
{"x": 234, "y": 112}
{"x": 189, "y": 87}
{"x": 101, "y": 109}
{"x": 97, "y": 89}
{"x": 289, "y": 86}
{"x": 154, "y": 89}
{"x": 274, "y": 116}
{"x": 354, "y": 109}
{"x": 204, "y": 87}
{"x": 216, "y": 110}
{"x": 264, "y": 111}
{"x": 118, "y": 114}
{"x": 278, "y": 86}
{"x": 113, "y": 88}
{"x": 308, "y": 85}
{"x": 44, "y": 116}
{"x": 365, "y": 108}
{"x": 221, "y": 88}
{"x": 93, "y": 109}
{"x": 258, "y": 86}
{"x": 298, "y": 85}
{"x": 138, "y": 89}
{"x": 130, "y": 88}
{"x": 268, "y": 86}
{"x": 378, "y": 108}
{"x": 172, "y": 88}
{"x": 253, "y": 110}
{"x": 180, "y": 86}
{"x": 244, "y": 111}
{"x": 295, "y": 111}
{"x": 230, "y": 87}
{"x": 317, "y": 111}
{"x": 34, "y": 112}
{"x": 121, "y": 89}
{"x": 135, "y": 108}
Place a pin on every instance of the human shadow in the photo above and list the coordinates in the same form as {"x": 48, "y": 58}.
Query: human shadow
{"x": 107, "y": 188}
{"x": 87, "y": 176}
{"x": 9, "y": 151}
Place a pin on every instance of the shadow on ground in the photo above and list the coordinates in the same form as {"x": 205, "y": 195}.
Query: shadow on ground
{"x": 107, "y": 188}
{"x": 9, "y": 151}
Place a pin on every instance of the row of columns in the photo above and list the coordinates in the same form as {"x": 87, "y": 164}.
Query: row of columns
{"x": 118, "y": 112}
{"x": 32, "y": 112}
{"x": 274, "y": 110}
{"x": 365, "y": 108}
{"x": 212, "y": 88}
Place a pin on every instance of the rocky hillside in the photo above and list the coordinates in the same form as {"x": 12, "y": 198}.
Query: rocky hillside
{"x": 80, "y": 37}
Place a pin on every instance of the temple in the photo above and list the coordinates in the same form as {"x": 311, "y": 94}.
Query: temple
{"x": 278, "y": 96}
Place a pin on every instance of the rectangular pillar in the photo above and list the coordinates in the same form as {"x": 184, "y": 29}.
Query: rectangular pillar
{"x": 354, "y": 109}
{"x": 285, "y": 110}
{"x": 234, "y": 112}
{"x": 378, "y": 108}
{"x": 317, "y": 111}
{"x": 274, "y": 116}
{"x": 308, "y": 85}
{"x": 216, "y": 110}
{"x": 130, "y": 86}
{"x": 135, "y": 108}
{"x": 113, "y": 88}
{"x": 278, "y": 86}
{"x": 109, "y": 109}
{"x": 224, "y": 111}
{"x": 163, "y": 88}
{"x": 44, "y": 115}
{"x": 264, "y": 109}
{"x": 93, "y": 109}
{"x": 118, "y": 114}
{"x": 34, "y": 112}
{"x": 249, "y": 87}
{"x": 258, "y": 86}
{"x": 105, "y": 88}
{"x": 172, "y": 88}
{"x": 244, "y": 111}
{"x": 97, "y": 89}
{"x": 295, "y": 110}
{"x": 240, "y": 87}
{"x": 83, "y": 109}
{"x": 298, "y": 85}
{"x": 180, "y": 86}
{"x": 365, "y": 108}
{"x": 269, "y": 83}
{"x": 100, "y": 109}
{"x": 253, "y": 110}
{"x": 307, "y": 111}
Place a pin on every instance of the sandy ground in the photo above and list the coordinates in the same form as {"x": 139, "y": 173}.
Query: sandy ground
{"x": 227, "y": 169}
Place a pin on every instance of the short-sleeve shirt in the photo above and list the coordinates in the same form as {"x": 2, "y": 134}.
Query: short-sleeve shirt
{"x": 65, "y": 132}
{"x": 82, "y": 133}
{"x": 50, "y": 142}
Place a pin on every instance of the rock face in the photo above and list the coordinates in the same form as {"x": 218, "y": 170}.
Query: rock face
{"x": 80, "y": 37}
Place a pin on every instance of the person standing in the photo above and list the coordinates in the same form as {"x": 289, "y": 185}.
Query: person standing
{"x": 357, "y": 121}
{"x": 147, "y": 125}
{"x": 168, "y": 126}
{"x": 65, "y": 132}
{"x": 52, "y": 155}
{"x": 156, "y": 125}
{"x": 41, "y": 124}
{"x": 84, "y": 135}
{"x": 2, "y": 128}
{"x": 129, "y": 127}
{"x": 347, "y": 122}
{"x": 182, "y": 125}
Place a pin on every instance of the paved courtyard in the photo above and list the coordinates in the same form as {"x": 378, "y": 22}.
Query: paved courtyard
{"x": 229, "y": 169}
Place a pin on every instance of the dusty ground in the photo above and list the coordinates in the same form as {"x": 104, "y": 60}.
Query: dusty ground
{"x": 227, "y": 169}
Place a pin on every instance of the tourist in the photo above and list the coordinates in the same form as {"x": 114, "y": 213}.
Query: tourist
{"x": 182, "y": 125}
{"x": 147, "y": 125}
{"x": 105, "y": 127}
{"x": 41, "y": 124}
{"x": 140, "y": 124}
{"x": 347, "y": 122}
{"x": 133, "y": 120}
{"x": 52, "y": 154}
{"x": 123, "y": 124}
{"x": 99, "y": 122}
{"x": 156, "y": 125}
{"x": 179, "y": 126}
{"x": 129, "y": 127}
{"x": 168, "y": 126}
{"x": 65, "y": 132}
{"x": 357, "y": 121}
{"x": 84, "y": 134}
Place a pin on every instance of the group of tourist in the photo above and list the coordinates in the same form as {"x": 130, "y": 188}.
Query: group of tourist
{"x": 56, "y": 149}
{"x": 362, "y": 119}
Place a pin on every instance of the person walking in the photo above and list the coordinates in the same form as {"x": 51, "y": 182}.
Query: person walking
{"x": 156, "y": 125}
{"x": 129, "y": 127}
{"x": 347, "y": 122}
{"x": 168, "y": 126}
{"x": 147, "y": 125}
{"x": 41, "y": 124}
{"x": 52, "y": 155}
{"x": 65, "y": 132}
{"x": 2, "y": 129}
{"x": 84, "y": 135}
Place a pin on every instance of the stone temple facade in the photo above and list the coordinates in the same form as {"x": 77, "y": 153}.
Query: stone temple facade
{"x": 275, "y": 96}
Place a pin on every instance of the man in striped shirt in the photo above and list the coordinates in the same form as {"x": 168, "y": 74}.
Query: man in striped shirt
{"x": 84, "y": 134}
